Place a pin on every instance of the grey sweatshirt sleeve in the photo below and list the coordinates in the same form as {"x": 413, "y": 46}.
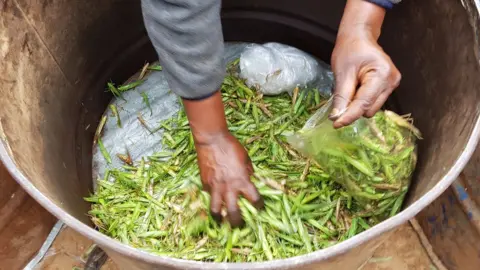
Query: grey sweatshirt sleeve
{"x": 187, "y": 35}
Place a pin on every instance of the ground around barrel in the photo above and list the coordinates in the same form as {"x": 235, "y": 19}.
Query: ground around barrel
{"x": 402, "y": 251}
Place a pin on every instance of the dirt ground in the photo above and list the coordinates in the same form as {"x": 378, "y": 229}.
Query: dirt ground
{"x": 403, "y": 251}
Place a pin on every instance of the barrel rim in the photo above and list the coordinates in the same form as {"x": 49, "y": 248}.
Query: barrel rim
{"x": 327, "y": 253}
{"x": 316, "y": 256}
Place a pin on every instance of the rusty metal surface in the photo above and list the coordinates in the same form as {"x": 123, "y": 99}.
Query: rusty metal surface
{"x": 451, "y": 233}
{"x": 24, "y": 224}
{"x": 53, "y": 51}
{"x": 440, "y": 85}
{"x": 452, "y": 222}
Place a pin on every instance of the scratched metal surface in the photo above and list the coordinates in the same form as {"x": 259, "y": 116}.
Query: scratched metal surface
{"x": 450, "y": 231}
{"x": 452, "y": 222}
{"x": 57, "y": 55}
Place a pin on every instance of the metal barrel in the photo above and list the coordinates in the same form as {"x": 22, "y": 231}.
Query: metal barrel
{"x": 24, "y": 224}
{"x": 57, "y": 55}
{"x": 452, "y": 222}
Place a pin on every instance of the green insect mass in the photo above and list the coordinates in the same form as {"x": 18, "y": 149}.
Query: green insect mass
{"x": 372, "y": 159}
{"x": 314, "y": 197}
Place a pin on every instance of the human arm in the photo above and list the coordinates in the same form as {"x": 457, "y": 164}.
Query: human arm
{"x": 225, "y": 167}
{"x": 365, "y": 76}
{"x": 188, "y": 38}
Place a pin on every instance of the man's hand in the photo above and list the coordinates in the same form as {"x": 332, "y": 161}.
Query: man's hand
{"x": 364, "y": 75}
{"x": 225, "y": 170}
{"x": 225, "y": 167}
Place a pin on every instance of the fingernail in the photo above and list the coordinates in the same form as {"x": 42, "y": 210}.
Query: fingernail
{"x": 334, "y": 114}
{"x": 337, "y": 125}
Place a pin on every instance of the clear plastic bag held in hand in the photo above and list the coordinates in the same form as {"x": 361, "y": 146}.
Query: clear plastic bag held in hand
{"x": 373, "y": 159}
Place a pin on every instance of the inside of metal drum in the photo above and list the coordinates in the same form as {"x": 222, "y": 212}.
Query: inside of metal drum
{"x": 57, "y": 57}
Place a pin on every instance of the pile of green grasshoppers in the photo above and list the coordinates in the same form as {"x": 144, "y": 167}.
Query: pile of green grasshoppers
{"x": 157, "y": 204}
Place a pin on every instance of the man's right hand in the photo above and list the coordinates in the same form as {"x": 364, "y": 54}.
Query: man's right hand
{"x": 225, "y": 167}
{"x": 225, "y": 170}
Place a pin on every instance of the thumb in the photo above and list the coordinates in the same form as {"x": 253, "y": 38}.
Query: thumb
{"x": 345, "y": 88}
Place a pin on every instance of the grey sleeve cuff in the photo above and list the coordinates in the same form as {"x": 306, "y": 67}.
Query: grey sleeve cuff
{"x": 187, "y": 35}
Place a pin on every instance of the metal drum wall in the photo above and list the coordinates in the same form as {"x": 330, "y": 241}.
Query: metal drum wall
{"x": 452, "y": 222}
{"x": 24, "y": 224}
{"x": 57, "y": 55}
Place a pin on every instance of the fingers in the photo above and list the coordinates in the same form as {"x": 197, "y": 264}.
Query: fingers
{"x": 230, "y": 198}
{"x": 250, "y": 192}
{"x": 233, "y": 211}
{"x": 364, "y": 99}
{"x": 376, "y": 87}
{"x": 382, "y": 98}
{"x": 345, "y": 88}
{"x": 249, "y": 166}
{"x": 216, "y": 204}
{"x": 206, "y": 187}
{"x": 361, "y": 65}
{"x": 394, "y": 79}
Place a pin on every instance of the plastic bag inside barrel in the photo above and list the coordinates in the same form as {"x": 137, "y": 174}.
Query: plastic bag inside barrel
{"x": 274, "y": 68}
{"x": 373, "y": 159}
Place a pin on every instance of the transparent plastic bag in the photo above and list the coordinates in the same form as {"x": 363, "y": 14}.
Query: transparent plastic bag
{"x": 275, "y": 68}
{"x": 372, "y": 159}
